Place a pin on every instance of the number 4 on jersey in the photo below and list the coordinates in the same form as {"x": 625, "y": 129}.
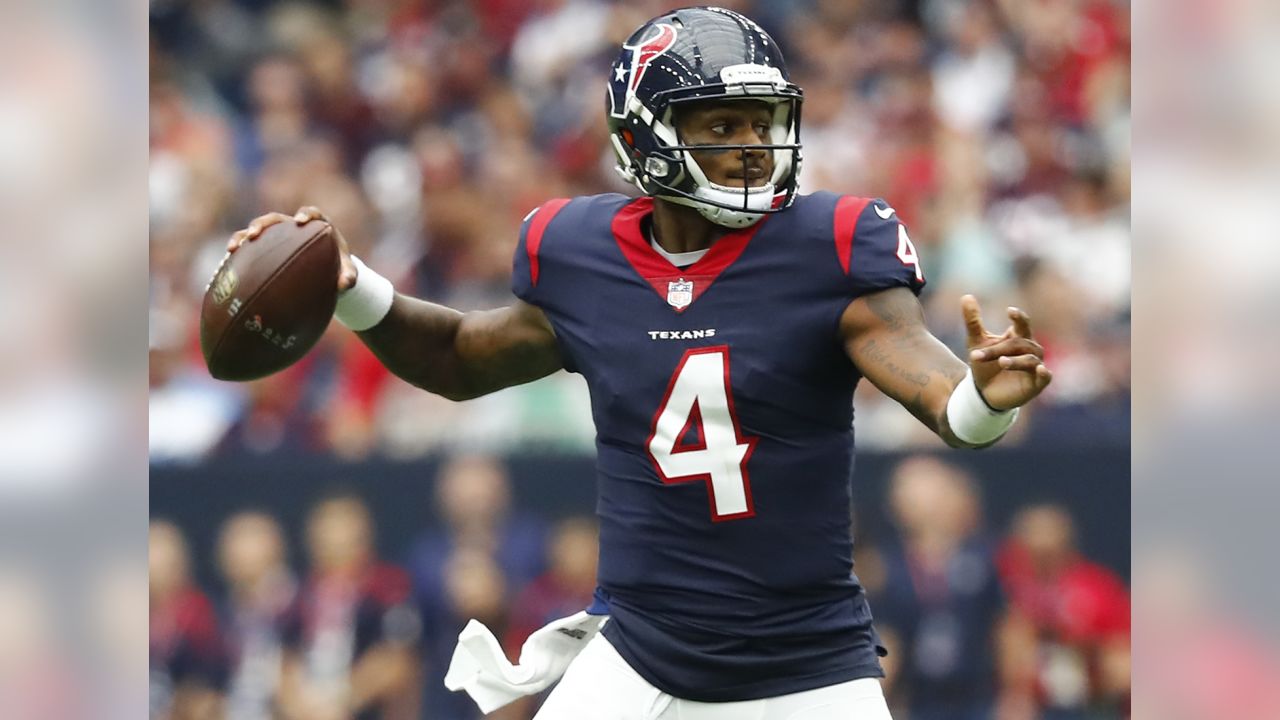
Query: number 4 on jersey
{"x": 907, "y": 252}
{"x": 698, "y": 398}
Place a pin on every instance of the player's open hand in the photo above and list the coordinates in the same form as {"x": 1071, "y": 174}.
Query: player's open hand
{"x": 346, "y": 271}
{"x": 1009, "y": 368}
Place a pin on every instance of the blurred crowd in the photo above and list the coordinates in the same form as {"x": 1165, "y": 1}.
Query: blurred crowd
{"x": 426, "y": 129}
{"x": 980, "y": 622}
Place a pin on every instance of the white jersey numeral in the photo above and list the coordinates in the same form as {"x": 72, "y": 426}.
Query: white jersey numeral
{"x": 698, "y": 397}
{"x": 907, "y": 252}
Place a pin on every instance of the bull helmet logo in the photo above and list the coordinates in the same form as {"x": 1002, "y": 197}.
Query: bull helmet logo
{"x": 627, "y": 74}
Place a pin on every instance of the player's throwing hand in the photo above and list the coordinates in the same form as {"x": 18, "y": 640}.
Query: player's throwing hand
{"x": 1009, "y": 368}
{"x": 347, "y": 271}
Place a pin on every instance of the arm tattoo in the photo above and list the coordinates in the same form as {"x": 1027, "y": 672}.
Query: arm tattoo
{"x": 889, "y": 342}
{"x": 880, "y": 356}
{"x": 886, "y": 309}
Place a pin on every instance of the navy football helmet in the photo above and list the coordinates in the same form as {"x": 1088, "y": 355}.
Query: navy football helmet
{"x": 690, "y": 55}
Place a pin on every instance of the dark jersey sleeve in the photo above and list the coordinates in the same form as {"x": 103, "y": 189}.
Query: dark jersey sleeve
{"x": 875, "y": 251}
{"x": 526, "y": 266}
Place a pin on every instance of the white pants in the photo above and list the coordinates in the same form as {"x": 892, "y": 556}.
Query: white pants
{"x": 599, "y": 685}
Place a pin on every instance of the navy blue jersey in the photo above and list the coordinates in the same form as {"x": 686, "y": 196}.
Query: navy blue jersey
{"x": 723, "y": 405}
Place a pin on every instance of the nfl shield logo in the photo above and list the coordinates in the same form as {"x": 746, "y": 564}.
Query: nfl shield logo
{"x": 224, "y": 285}
{"x": 680, "y": 293}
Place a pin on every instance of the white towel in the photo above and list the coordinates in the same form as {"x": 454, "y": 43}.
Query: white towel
{"x": 481, "y": 668}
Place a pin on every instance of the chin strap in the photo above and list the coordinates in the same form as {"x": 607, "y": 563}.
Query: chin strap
{"x": 758, "y": 199}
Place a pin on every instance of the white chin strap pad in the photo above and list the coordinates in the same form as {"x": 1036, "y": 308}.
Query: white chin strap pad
{"x": 758, "y": 200}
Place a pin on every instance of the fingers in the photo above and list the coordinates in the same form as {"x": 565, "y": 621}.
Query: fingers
{"x": 1028, "y": 362}
{"x": 1011, "y": 346}
{"x": 254, "y": 229}
{"x": 1043, "y": 376}
{"x": 261, "y": 223}
{"x": 1021, "y": 322}
{"x": 307, "y": 213}
{"x": 972, "y": 320}
{"x": 258, "y": 225}
{"x": 346, "y": 273}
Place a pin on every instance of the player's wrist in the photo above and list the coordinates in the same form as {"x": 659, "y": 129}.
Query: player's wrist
{"x": 972, "y": 419}
{"x": 367, "y": 302}
{"x": 983, "y": 398}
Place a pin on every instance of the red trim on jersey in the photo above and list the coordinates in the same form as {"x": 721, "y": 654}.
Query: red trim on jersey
{"x": 657, "y": 270}
{"x": 848, "y": 210}
{"x": 750, "y": 442}
{"x": 533, "y": 240}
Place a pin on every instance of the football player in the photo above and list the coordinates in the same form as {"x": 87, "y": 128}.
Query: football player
{"x": 721, "y": 321}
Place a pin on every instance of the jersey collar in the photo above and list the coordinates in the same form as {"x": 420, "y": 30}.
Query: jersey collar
{"x": 658, "y": 271}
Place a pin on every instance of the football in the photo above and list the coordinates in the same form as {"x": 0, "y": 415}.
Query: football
{"x": 270, "y": 301}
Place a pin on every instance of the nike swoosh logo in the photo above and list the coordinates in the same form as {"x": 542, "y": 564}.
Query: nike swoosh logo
{"x": 883, "y": 213}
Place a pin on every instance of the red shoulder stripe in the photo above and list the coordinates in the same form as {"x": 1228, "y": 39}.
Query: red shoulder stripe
{"x": 533, "y": 240}
{"x": 848, "y": 208}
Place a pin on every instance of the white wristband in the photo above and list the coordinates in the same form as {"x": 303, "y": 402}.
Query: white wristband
{"x": 971, "y": 419}
{"x": 364, "y": 304}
